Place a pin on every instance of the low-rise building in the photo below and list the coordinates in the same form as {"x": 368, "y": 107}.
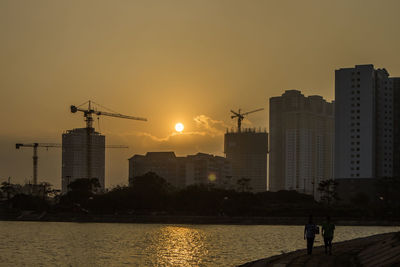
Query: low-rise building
{"x": 182, "y": 171}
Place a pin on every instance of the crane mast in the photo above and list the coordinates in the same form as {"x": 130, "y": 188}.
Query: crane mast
{"x": 35, "y": 155}
{"x": 47, "y": 145}
{"x": 240, "y": 116}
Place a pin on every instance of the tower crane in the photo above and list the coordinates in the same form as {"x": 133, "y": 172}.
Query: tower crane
{"x": 88, "y": 114}
{"x": 240, "y": 116}
{"x": 35, "y": 155}
{"x": 47, "y": 145}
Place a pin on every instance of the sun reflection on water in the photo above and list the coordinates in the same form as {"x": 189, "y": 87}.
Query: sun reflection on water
{"x": 180, "y": 246}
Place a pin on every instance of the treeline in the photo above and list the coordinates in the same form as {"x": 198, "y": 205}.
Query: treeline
{"x": 152, "y": 195}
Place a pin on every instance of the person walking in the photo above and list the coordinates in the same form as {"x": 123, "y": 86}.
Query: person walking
{"x": 309, "y": 233}
{"x": 328, "y": 229}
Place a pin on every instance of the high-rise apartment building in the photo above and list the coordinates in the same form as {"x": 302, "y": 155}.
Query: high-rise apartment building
{"x": 247, "y": 152}
{"x": 396, "y": 126}
{"x": 83, "y": 156}
{"x": 301, "y": 142}
{"x": 364, "y": 123}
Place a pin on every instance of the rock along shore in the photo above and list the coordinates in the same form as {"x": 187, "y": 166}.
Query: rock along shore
{"x": 378, "y": 250}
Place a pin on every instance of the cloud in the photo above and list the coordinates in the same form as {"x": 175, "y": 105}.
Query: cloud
{"x": 206, "y": 136}
{"x": 210, "y": 126}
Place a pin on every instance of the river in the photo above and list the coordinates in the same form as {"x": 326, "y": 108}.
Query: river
{"x": 105, "y": 244}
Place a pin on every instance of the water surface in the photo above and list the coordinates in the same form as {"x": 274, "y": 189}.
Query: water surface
{"x": 104, "y": 244}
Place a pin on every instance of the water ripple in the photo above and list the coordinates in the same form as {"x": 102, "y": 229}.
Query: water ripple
{"x": 101, "y": 244}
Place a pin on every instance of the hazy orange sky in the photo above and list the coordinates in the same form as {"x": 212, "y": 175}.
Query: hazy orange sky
{"x": 171, "y": 61}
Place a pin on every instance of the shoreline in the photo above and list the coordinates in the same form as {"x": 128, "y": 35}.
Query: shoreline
{"x": 376, "y": 250}
{"x": 180, "y": 219}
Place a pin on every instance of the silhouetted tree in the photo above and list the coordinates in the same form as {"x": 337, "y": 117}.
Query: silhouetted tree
{"x": 46, "y": 189}
{"x": 328, "y": 191}
{"x": 244, "y": 184}
{"x": 85, "y": 185}
{"x": 28, "y": 202}
{"x": 388, "y": 189}
{"x": 361, "y": 200}
{"x": 10, "y": 189}
{"x": 151, "y": 191}
{"x": 81, "y": 190}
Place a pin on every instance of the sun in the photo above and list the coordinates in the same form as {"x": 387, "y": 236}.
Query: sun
{"x": 179, "y": 127}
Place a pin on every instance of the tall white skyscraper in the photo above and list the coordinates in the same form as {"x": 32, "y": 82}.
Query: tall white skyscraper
{"x": 81, "y": 160}
{"x": 363, "y": 123}
{"x": 301, "y": 142}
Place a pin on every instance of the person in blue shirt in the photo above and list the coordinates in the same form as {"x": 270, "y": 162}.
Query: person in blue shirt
{"x": 309, "y": 233}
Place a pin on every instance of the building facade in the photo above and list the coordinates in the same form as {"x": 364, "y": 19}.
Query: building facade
{"x": 205, "y": 168}
{"x": 301, "y": 142}
{"x": 364, "y": 123}
{"x": 83, "y": 156}
{"x": 181, "y": 171}
{"x": 396, "y": 126}
{"x": 247, "y": 152}
{"x": 164, "y": 164}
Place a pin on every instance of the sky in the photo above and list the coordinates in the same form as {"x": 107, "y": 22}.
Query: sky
{"x": 171, "y": 61}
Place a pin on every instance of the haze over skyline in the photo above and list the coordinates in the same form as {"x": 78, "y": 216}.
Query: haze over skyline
{"x": 171, "y": 61}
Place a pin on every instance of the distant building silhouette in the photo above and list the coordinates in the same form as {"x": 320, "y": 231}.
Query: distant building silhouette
{"x": 396, "y": 127}
{"x": 75, "y": 156}
{"x": 301, "y": 142}
{"x": 365, "y": 124}
{"x": 247, "y": 152}
{"x": 182, "y": 171}
{"x": 164, "y": 164}
{"x": 205, "y": 168}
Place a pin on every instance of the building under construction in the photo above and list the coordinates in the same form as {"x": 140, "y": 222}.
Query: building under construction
{"x": 247, "y": 150}
{"x": 83, "y": 156}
